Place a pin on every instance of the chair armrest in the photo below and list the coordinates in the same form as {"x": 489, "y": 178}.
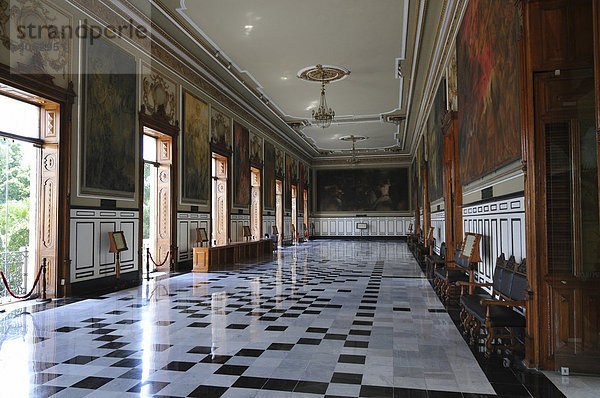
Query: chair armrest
{"x": 465, "y": 283}
{"x": 512, "y": 303}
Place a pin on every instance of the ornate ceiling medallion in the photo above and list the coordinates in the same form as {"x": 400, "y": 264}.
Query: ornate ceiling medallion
{"x": 323, "y": 73}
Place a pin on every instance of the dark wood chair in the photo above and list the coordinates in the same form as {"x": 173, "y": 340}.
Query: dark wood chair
{"x": 493, "y": 314}
{"x": 434, "y": 259}
{"x": 447, "y": 274}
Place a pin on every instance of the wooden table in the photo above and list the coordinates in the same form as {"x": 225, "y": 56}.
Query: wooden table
{"x": 217, "y": 257}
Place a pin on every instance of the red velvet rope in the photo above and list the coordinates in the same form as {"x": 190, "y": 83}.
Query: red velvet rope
{"x": 37, "y": 278}
{"x": 161, "y": 264}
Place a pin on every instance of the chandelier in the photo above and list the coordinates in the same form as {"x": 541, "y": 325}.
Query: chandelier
{"x": 354, "y": 159}
{"x": 324, "y": 115}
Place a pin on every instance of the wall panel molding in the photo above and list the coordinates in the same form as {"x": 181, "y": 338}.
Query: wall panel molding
{"x": 186, "y": 232}
{"x": 90, "y": 243}
{"x": 346, "y": 226}
{"x": 502, "y": 226}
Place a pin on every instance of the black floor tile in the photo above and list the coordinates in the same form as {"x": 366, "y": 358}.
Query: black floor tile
{"x": 127, "y": 363}
{"x": 409, "y": 393}
{"x": 107, "y": 337}
{"x": 280, "y": 347}
{"x": 208, "y": 392}
{"x": 134, "y": 374}
{"x": 235, "y": 370}
{"x": 335, "y": 336}
{"x": 443, "y": 394}
{"x": 311, "y": 387}
{"x": 120, "y": 353}
{"x": 250, "y": 382}
{"x": 92, "y": 383}
{"x": 66, "y": 329}
{"x": 248, "y": 352}
{"x": 46, "y": 391}
{"x": 148, "y": 387}
{"x": 237, "y": 326}
{"x": 316, "y": 330}
{"x": 356, "y": 344}
{"x": 357, "y": 359}
{"x": 216, "y": 359}
{"x": 280, "y": 384}
{"x": 346, "y": 378}
{"x": 80, "y": 360}
{"x": 200, "y": 350}
{"x": 198, "y": 325}
{"x": 309, "y": 341}
{"x": 113, "y": 345}
{"x": 374, "y": 391}
{"x": 179, "y": 366}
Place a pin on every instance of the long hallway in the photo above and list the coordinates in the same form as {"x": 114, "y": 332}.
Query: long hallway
{"x": 333, "y": 318}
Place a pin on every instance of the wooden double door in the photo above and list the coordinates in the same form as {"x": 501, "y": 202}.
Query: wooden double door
{"x": 568, "y": 231}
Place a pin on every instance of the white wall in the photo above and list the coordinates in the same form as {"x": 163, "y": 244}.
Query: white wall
{"x": 90, "y": 243}
{"x": 186, "y": 232}
{"x": 376, "y": 226}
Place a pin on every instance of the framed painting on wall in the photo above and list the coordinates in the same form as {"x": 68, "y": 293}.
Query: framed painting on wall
{"x": 195, "y": 151}
{"x": 108, "y": 134}
{"x": 269, "y": 178}
{"x": 241, "y": 166}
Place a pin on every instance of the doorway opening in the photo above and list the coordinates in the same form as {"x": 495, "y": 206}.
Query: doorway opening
{"x": 156, "y": 201}
{"x": 220, "y": 214}
{"x": 305, "y": 207}
{"x": 294, "y": 213}
{"x": 255, "y": 206}
{"x": 20, "y": 154}
{"x": 279, "y": 210}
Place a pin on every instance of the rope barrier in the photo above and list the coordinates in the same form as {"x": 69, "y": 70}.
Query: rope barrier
{"x": 37, "y": 278}
{"x": 161, "y": 264}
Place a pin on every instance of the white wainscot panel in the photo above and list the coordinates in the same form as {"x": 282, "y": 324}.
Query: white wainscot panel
{"x": 186, "y": 233}
{"x": 502, "y": 226}
{"x": 439, "y": 232}
{"x": 346, "y": 226}
{"x": 89, "y": 245}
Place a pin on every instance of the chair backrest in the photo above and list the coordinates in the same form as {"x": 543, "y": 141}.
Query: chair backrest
{"x": 443, "y": 250}
{"x": 499, "y": 272}
{"x": 507, "y": 277}
{"x": 519, "y": 283}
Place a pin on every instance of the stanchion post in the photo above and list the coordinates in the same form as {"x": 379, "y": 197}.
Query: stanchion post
{"x": 44, "y": 299}
{"x": 147, "y": 263}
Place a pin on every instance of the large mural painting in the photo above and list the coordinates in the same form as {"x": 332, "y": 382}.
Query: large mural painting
{"x": 269, "y": 179}
{"x": 109, "y": 121}
{"x": 435, "y": 144}
{"x": 362, "y": 190}
{"x": 241, "y": 165}
{"x": 196, "y": 150}
{"x": 488, "y": 88}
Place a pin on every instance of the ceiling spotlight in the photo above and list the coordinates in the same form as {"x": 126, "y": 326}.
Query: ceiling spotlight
{"x": 229, "y": 65}
{"x": 217, "y": 54}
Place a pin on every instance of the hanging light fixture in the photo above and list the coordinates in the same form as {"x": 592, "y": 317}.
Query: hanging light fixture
{"x": 354, "y": 159}
{"x": 324, "y": 115}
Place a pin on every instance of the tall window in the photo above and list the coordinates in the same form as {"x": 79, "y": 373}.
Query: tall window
{"x": 19, "y": 178}
{"x": 150, "y": 197}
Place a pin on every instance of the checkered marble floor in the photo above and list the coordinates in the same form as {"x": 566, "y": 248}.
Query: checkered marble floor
{"x": 325, "y": 318}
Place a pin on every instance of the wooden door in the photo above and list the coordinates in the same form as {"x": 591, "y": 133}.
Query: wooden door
{"x": 220, "y": 195}
{"x": 567, "y": 219}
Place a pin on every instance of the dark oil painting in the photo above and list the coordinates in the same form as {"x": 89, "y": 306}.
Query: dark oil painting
{"x": 420, "y": 160}
{"x": 290, "y": 179}
{"x": 301, "y": 187}
{"x": 488, "y": 88}
{"x": 363, "y": 190}
{"x": 435, "y": 144}
{"x": 196, "y": 150}
{"x": 269, "y": 178}
{"x": 109, "y": 121}
{"x": 241, "y": 165}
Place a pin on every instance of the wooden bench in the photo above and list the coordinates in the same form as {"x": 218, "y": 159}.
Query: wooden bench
{"x": 494, "y": 314}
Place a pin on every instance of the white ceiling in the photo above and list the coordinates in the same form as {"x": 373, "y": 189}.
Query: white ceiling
{"x": 269, "y": 41}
